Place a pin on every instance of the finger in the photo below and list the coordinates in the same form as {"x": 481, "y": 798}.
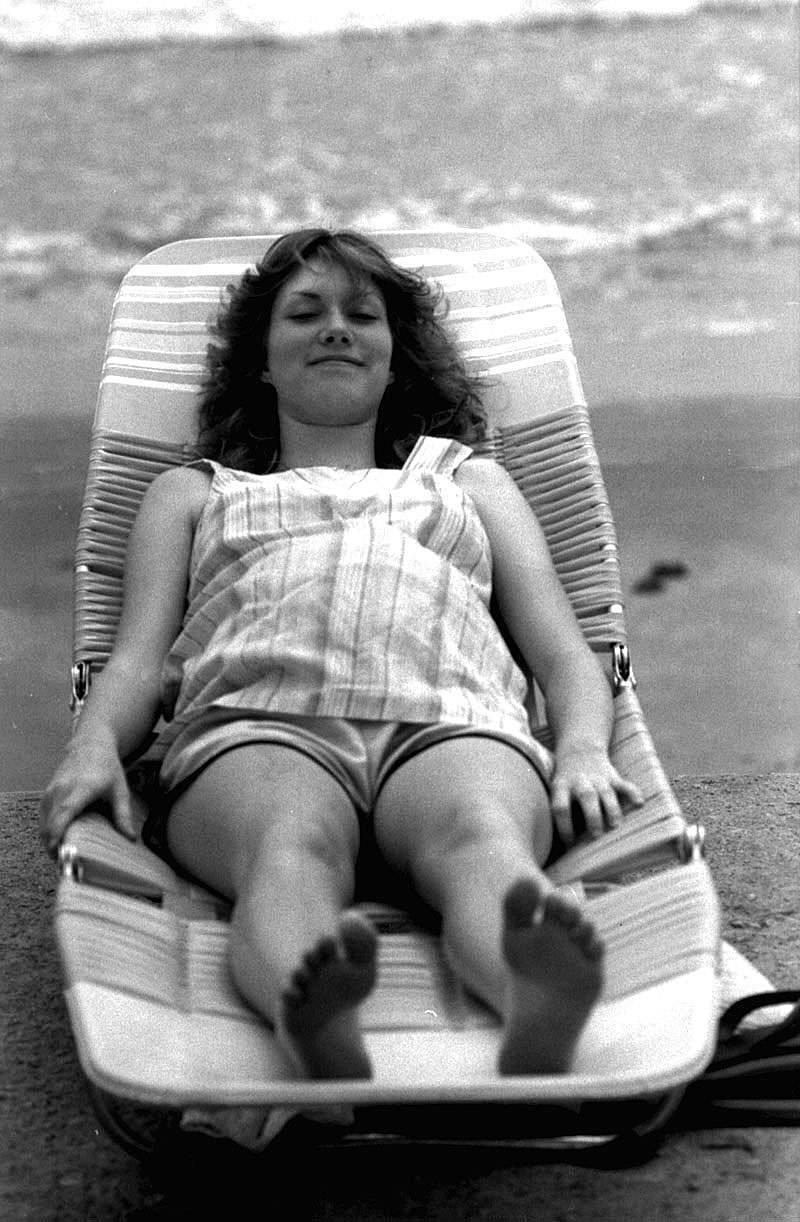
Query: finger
{"x": 611, "y": 808}
{"x": 589, "y": 803}
{"x": 561, "y": 810}
{"x": 44, "y": 821}
{"x": 122, "y": 814}
{"x": 631, "y": 793}
{"x": 54, "y": 825}
{"x": 53, "y": 820}
{"x": 47, "y": 829}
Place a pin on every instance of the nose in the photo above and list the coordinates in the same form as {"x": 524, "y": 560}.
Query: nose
{"x": 335, "y": 329}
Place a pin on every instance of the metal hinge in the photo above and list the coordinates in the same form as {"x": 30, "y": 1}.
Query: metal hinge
{"x": 622, "y": 674}
{"x": 693, "y": 843}
{"x": 81, "y": 674}
{"x": 70, "y": 865}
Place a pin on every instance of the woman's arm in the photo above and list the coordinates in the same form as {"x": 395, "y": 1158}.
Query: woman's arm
{"x": 124, "y": 702}
{"x": 540, "y": 618}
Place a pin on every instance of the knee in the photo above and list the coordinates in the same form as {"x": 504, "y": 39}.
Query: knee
{"x": 487, "y": 829}
{"x": 286, "y": 847}
{"x": 473, "y": 827}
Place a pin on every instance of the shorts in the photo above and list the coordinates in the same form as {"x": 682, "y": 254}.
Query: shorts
{"x": 360, "y": 755}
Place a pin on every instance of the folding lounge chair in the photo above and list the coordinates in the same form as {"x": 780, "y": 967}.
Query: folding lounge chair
{"x": 159, "y": 1029}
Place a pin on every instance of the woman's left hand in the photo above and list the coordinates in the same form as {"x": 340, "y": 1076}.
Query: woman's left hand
{"x": 585, "y": 783}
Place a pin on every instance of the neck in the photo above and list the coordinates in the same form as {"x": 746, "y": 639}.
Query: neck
{"x": 304, "y": 445}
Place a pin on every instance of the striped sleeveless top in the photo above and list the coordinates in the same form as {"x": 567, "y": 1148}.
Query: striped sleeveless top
{"x": 324, "y": 592}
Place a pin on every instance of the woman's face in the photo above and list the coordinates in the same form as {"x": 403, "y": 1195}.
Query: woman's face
{"x": 329, "y": 347}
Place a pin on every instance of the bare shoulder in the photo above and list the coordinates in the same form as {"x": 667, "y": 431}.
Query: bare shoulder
{"x": 507, "y": 517}
{"x": 180, "y": 490}
{"x": 485, "y": 480}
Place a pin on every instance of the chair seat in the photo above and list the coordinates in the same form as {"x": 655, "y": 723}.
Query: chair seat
{"x": 157, "y": 1019}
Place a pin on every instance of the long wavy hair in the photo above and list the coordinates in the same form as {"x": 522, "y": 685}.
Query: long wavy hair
{"x": 432, "y": 392}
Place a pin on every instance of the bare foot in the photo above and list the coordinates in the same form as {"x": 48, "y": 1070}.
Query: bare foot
{"x": 555, "y": 959}
{"x": 320, "y": 1007}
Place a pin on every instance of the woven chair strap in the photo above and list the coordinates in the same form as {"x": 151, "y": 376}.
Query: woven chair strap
{"x": 655, "y": 929}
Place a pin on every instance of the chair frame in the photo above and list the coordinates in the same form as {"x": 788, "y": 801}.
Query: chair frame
{"x": 539, "y": 430}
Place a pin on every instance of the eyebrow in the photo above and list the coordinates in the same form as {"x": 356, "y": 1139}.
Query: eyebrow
{"x": 311, "y": 295}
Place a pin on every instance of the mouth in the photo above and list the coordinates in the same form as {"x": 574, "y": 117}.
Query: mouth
{"x": 336, "y": 360}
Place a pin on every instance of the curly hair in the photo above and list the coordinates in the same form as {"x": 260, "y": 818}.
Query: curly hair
{"x": 432, "y": 391}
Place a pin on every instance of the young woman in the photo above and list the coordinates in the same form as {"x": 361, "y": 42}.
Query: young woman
{"x": 309, "y": 607}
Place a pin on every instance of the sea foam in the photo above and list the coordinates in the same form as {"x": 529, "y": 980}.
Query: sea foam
{"x": 73, "y": 25}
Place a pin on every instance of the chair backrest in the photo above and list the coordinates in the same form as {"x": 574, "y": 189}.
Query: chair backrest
{"x": 506, "y": 315}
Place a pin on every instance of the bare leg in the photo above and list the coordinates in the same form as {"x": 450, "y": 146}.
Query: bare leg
{"x": 470, "y": 820}
{"x": 271, "y": 829}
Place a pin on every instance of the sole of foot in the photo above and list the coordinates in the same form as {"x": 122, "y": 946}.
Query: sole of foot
{"x": 555, "y": 962}
{"x": 320, "y": 1007}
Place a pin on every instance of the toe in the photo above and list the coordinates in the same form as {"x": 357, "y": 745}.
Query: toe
{"x": 522, "y": 902}
{"x": 300, "y": 979}
{"x": 358, "y": 938}
{"x": 595, "y": 946}
{"x": 293, "y": 998}
{"x": 588, "y": 939}
{"x": 320, "y": 954}
{"x": 564, "y": 912}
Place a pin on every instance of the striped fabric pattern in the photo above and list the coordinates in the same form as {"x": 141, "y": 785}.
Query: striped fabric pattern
{"x": 328, "y": 593}
{"x": 182, "y": 964}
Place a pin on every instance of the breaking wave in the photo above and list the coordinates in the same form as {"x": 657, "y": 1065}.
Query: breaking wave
{"x": 48, "y": 26}
{"x": 30, "y": 260}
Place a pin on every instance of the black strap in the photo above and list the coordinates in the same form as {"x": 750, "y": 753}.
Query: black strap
{"x": 754, "y": 1077}
{"x": 763, "y": 1039}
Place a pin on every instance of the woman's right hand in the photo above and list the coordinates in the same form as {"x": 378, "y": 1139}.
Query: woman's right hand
{"x": 90, "y": 775}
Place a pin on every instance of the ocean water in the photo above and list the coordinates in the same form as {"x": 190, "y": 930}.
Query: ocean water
{"x": 649, "y": 151}
{"x": 637, "y": 145}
